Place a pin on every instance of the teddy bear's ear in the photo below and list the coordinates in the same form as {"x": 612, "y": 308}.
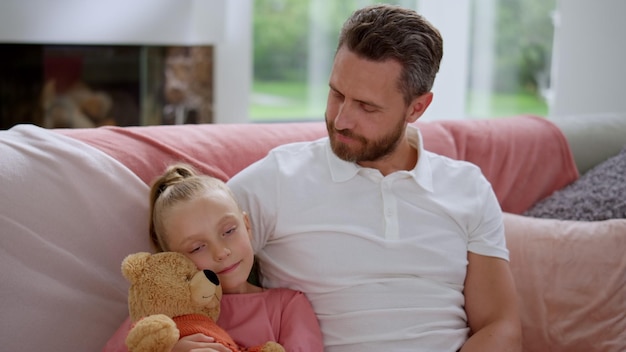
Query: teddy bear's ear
{"x": 133, "y": 265}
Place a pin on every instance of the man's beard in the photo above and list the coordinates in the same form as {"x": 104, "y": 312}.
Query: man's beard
{"x": 369, "y": 150}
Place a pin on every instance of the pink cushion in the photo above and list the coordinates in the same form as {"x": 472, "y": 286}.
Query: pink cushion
{"x": 525, "y": 158}
{"x": 217, "y": 150}
{"x": 571, "y": 280}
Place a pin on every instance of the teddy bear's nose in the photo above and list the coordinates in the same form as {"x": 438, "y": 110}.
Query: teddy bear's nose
{"x": 212, "y": 277}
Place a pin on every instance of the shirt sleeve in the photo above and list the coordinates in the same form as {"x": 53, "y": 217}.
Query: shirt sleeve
{"x": 487, "y": 232}
{"x": 300, "y": 330}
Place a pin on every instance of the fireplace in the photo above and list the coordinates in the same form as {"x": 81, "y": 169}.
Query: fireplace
{"x": 74, "y": 86}
{"x": 70, "y": 63}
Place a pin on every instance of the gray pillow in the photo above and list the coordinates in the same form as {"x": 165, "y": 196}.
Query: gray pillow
{"x": 599, "y": 194}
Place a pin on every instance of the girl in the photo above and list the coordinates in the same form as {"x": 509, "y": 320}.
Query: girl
{"x": 198, "y": 216}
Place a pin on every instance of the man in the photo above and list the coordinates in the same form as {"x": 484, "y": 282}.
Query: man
{"x": 397, "y": 248}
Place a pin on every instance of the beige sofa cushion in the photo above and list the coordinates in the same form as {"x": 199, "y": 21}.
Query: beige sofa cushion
{"x": 571, "y": 280}
{"x": 69, "y": 214}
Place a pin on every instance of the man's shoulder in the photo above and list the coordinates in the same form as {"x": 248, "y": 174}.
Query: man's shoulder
{"x": 446, "y": 161}
{"x": 296, "y": 147}
{"x": 444, "y": 166}
{"x": 282, "y": 159}
{"x": 299, "y": 152}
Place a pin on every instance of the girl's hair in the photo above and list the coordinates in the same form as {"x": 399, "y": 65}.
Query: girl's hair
{"x": 381, "y": 32}
{"x": 179, "y": 182}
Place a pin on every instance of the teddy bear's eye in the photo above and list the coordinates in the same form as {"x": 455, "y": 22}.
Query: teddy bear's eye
{"x": 188, "y": 277}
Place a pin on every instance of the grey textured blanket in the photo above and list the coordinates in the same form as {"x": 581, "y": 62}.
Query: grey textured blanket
{"x": 599, "y": 194}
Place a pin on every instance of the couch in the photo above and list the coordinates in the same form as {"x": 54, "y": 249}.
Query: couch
{"x": 74, "y": 203}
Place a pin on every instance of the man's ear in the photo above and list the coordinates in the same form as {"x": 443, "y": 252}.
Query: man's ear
{"x": 418, "y": 106}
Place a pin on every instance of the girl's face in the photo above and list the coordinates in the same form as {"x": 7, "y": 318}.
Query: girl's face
{"x": 215, "y": 235}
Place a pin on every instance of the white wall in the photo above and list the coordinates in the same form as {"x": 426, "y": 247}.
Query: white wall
{"x": 589, "y": 60}
{"x": 233, "y": 64}
{"x": 452, "y": 19}
{"x": 136, "y": 22}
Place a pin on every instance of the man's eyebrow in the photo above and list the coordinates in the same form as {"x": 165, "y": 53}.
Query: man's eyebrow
{"x": 370, "y": 103}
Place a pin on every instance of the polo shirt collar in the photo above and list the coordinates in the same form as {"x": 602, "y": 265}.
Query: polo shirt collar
{"x": 342, "y": 170}
{"x": 422, "y": 173}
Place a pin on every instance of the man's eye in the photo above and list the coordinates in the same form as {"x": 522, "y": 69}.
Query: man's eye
{"x": 230, "y": 231}
{"x": 368, "y": 108}
{"x": 336, "y": 94}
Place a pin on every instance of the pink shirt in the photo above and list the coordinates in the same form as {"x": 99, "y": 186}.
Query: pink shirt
{"x": 280, "y": 315}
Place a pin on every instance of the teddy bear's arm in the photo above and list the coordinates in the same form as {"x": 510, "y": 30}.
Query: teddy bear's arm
{"x": 155, "y": 333}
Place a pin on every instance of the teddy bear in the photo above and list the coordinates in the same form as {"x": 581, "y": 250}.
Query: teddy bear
{"x": 170, "y": 298}
{"x": 77, "y": 107}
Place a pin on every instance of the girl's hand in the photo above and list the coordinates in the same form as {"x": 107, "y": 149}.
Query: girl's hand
{"x": 199, "y": 343}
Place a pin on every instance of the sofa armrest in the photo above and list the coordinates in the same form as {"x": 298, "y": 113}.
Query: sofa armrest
{"x": 593, "y": 138}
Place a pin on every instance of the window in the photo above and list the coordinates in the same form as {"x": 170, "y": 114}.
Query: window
{"x": 510, "y": 54}
{"x": 496, "y": 61}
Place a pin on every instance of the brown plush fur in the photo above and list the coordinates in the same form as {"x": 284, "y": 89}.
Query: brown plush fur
{"x": 167, "y": 288}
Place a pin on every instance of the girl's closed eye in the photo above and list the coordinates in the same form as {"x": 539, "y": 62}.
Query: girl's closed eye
{"x": 230, "y": 231}
{"x": 197, "y": 248}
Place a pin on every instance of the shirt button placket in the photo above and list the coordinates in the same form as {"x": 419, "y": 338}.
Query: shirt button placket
{"x": 389, "y": 208}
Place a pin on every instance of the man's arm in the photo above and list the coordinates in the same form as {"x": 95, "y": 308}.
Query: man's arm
{"x": 491, "y": 306}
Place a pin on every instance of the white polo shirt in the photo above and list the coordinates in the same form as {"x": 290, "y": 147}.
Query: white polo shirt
{"x": 382, "y": 259}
